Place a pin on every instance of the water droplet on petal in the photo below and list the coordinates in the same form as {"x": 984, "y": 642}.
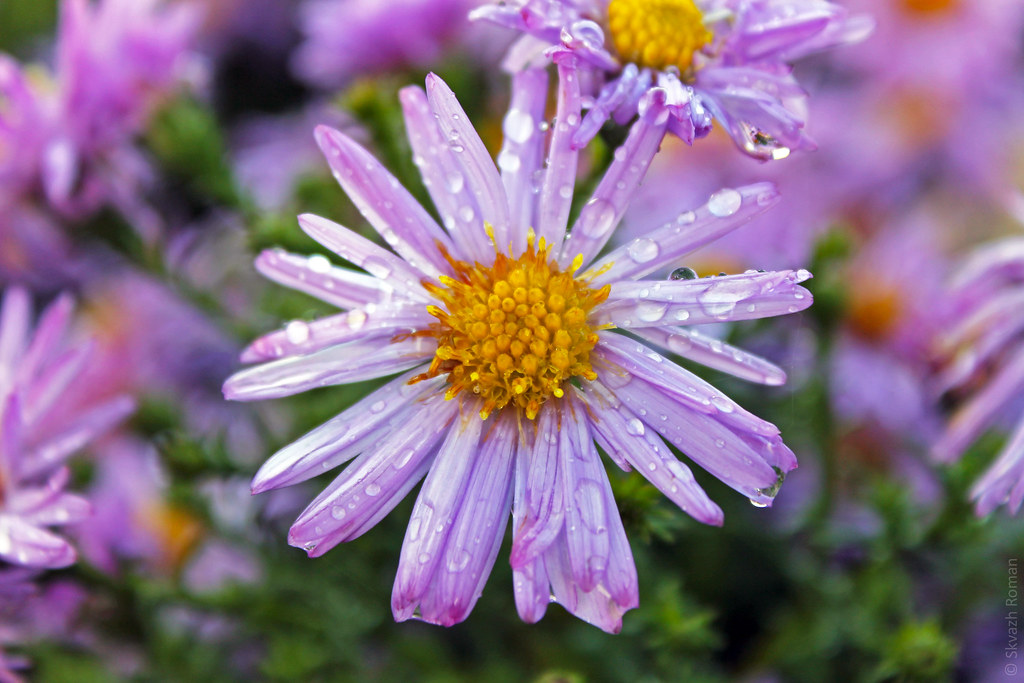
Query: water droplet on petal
{"x": 725, "y": 202}
{"x": 297, "y": 332}
{"x": 758, "y": 503}
{"x": 643, "y": 250}
{"x": 683, "y": 273}
{"x": 373, "y": 489}
{"x": 318, "y": 263}
{"x": 455, "y": 182}
{"x": 597, "y": 218}
{"x": 635, "y": 427}
{"x": 338, "y": 512}
{"x": 356, "y": 319}
{"x": 460, "y": 561}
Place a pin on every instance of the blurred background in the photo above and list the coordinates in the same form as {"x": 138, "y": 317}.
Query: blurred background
{"x": 150, "y": 150}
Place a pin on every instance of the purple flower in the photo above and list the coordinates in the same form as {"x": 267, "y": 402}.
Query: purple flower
{"x": 985, "y": 355}
{"x": 505, "y": 329}
{"x": 72, "y": 131}
{"x": 721, "y": 59}
{"x": 38, "y": 431}
{"x": 346, "y": 39}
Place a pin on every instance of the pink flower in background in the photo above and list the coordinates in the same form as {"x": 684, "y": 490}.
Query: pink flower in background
{"x": 347, "y": 39}
{"x": 71, "y": 131}
{"x": 39, "y": 431}
{"x": 515, "y": 319}
{"x": 726, "y": 60}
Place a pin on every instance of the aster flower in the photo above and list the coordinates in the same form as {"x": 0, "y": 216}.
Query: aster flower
{"x": 715, "y": 59}
{"x": 351, "y": 38}
{"x": 985, "y": 357}
{"x": 38, "y": 432}
{"x": 506, "y": 329}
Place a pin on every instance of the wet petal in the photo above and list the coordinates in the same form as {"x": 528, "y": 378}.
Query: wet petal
{"x": 523, "y": 150}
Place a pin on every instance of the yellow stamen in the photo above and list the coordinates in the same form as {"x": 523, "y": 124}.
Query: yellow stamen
{"x": 657, "y": 33}
{"x": 515, "y": 332}
{"x": 874, "y": 310}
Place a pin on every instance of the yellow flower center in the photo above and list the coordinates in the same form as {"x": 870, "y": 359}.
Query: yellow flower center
{"x": 515, "y": 332}
{"x": 874, "y": 310}
{"x": 657, "y": 33}
{"x": 929, "y": 6}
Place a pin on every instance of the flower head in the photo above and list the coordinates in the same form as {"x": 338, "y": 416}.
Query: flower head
{"x": 506, "y": 329}
{"x": 984, "y": 356}
{"x": 715, "y": 59}
{"x": 38, "y": 431}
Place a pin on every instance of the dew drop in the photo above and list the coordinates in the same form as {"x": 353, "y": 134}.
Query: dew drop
{"x": 725, "y": 202}
{"x": 460, "y": 561}
{"x": 424, "y": 558}
{"x": 758, "y": 503}
{"x": 455, "y": 182}
{"x": 373, "y": 489}
{"x": 635, "y": 427}
{"x": 597, "y": 218}
{"x": 643, "y": 250}
{"x": 338, "y": 512}
{"x": 297, "y": 332}
{"x": 683, "y": 273}
{"x": 518, "y": 126}
{"x": 318, "y": 263}
{"x": 356, "y": 319}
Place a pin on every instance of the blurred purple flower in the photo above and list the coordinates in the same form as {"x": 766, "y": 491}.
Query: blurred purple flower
{"x": 879, "y": 363}
{"x": 38, "y": 431}
{"x": 721, "y": 59}
{"x": 346, "y": 39}
{"x": 71, "y": 132}
{"x": 518, "y": 323}
{"x": 984, "y": 357}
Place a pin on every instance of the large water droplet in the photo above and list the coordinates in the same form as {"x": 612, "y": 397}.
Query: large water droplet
{"x": 683, "y": 273}
{"x": 297, "y": 332}
{"x": 455, "y": 181}
{"x": 518, "y": 126}
{"x": 372, "y": 489}
{"x": 338, "y": 512}
{"x": 635, "y": 427}
{"x": 725, "y": 202}
{"x": 356, "y": 319}
{"x": 643, "y": 250}
{"x": 318, "y": 263}
{"x": 597, "y": 218}
{"x": 459, "y": 561}
{"x": 651, "y": 311}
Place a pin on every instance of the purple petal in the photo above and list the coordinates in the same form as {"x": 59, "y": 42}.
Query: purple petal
{"x": 700, "y": 437}
{"x": 529, "y": 582}
{"x": 583, "y": 490}
{"x": 376, "y": 482}
{"x": 606, "y": 207}
{"x": 476, "y": 534}
{"x": 444, "y": 179}
{"x": 388, "y": 206}
{"x": 714, "y": 353}
{"x": 375, "y": 260}
{"x": 542, "y": 507}
{"x": 522, "y": 151}
{"x": 618, "y": 430}
{"x": 86, "y": 427}
{"x": 968, "y": 422}
{"x": 727, "y": 210}
{"x": 14, "y": 328}
{"x": 1003, "y": 482}
{"x": 560, "y": 175}
{"x": 341, "y": 287}
{"x": 748, "y": 296}
{"x": 49, "y": 332}
{"x": 343, "y": 436}
{"x": 301, "y": 337}
{"x": 27, "y": 545}
{"x": 478, "y": 169}
{"x": 53, "y": 381}
{"x": 340, "y": 364}
{"x": 613, "y": 95}
{"x": 433, "y": 515}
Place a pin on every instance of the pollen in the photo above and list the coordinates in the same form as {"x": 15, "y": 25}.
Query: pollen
{"x": 513, "y": 333}
{"x": 657, "y": 33}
